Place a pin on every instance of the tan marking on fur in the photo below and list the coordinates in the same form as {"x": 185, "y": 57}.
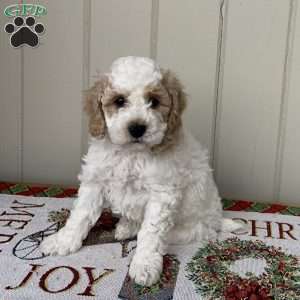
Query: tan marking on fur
{"x": 109, "y": 98}
{"x": 93, "y": 107}
{"x": 159, "y": 91}
{"x": 178, "y": 101}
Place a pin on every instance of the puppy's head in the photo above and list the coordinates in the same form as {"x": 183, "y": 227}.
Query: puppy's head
{"x": 136, "y": 104}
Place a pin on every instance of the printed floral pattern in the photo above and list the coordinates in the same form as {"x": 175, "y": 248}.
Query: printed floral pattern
{"x": 209, "y": 270}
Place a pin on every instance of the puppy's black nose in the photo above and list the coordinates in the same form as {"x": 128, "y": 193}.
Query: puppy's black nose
{"x": 136, "y": 130}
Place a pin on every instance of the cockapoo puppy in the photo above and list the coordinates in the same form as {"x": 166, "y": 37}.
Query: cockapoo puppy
{"x": 144, "y": 166}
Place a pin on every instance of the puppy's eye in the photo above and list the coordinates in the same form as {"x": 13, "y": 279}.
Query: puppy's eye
{"x": 154, "y": 102}
{"x": 120, "y": 102}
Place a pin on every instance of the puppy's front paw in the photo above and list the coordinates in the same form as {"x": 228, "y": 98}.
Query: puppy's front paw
{"x": 146, "y": 269}
{"x": 60, "y": 244}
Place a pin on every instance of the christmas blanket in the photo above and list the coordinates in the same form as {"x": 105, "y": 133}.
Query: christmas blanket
{"x": 258, "y": 263}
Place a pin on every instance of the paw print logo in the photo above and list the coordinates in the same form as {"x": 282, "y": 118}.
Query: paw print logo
{"x": 24, "y": 31}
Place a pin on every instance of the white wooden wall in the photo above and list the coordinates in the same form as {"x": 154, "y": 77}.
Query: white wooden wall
{"x": 239, "y": 61}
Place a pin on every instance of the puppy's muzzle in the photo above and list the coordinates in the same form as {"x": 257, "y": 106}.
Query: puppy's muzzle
{"x": 137, "y": 130}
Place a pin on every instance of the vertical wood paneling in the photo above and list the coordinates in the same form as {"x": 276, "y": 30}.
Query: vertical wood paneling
{"x": 240, "y": 66}
{"x": 10, "y": 104}
{"x": 188, "y": 34}
{"x": 86, "y": 69}
{"x": 290, "y": 187}
{"x": 52, "y": 96}
{"x": 118, "y": 28}
{"x": 250, "y": 98}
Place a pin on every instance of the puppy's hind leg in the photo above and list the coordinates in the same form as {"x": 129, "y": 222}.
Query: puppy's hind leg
{"x": 86, "y": 211}
{"x": 126, "y": 229}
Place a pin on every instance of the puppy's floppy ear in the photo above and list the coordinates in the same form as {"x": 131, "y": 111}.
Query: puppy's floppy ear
{"x": 178, "y": 100}
{"x": 93, "y": 107}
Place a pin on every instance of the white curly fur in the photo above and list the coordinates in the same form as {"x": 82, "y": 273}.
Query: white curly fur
{"x": 131, "y": 72}
{"x": 169, "y": 197}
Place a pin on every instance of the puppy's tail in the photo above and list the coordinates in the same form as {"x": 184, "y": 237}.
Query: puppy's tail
{"x": 229, "y": 225}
